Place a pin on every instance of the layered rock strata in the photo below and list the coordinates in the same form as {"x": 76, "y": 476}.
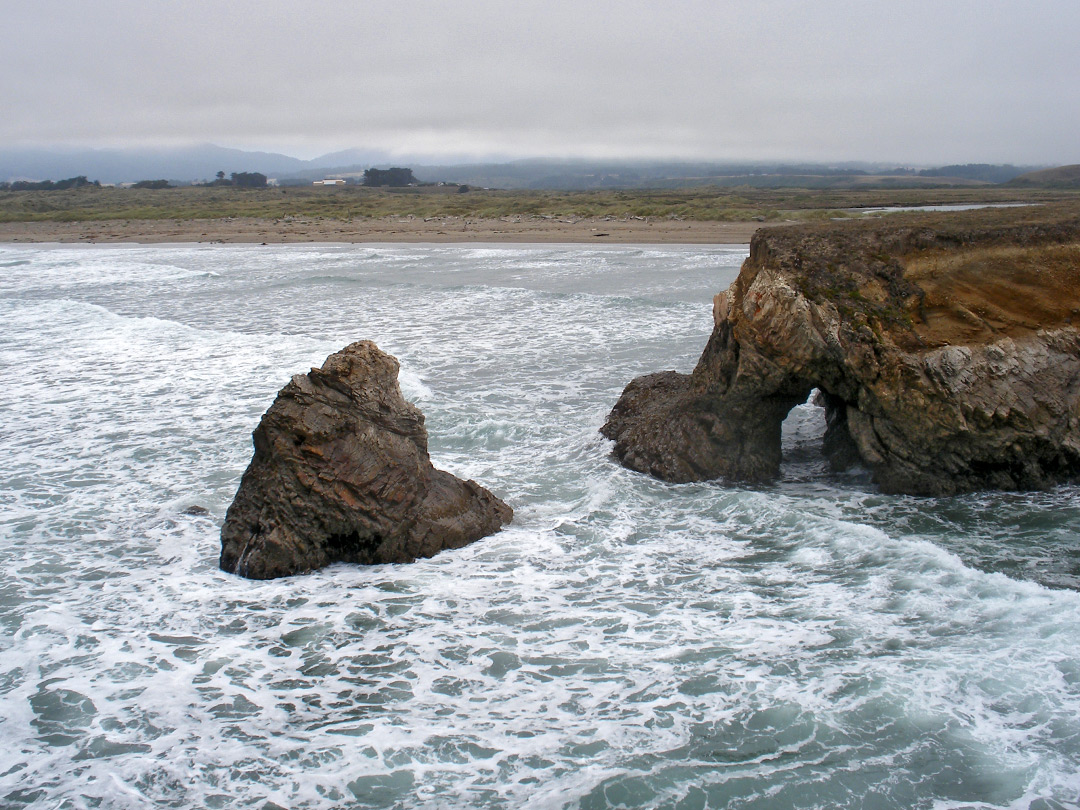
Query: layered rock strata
{"x": 341, "y": 473}
{"x": 947, "y": 353}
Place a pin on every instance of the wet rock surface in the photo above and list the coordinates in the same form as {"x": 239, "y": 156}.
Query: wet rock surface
{"x": 341, "y": 473}
{"x": 947, "y": 351}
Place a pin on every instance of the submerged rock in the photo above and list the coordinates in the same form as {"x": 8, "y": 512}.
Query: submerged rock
{"x": 947, "y": 352}
{"x": 341, "y": 473}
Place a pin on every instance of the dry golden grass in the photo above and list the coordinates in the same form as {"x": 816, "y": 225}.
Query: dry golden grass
{"x": 1002, "y": 290}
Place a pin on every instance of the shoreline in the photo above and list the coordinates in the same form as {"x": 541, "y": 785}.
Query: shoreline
{"x": 515, "y": 229}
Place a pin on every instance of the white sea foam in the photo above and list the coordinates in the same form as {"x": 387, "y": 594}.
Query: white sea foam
{"x": 624, "y": 642}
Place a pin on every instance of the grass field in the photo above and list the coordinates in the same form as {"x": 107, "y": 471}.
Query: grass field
{"x": 90, "y": 204}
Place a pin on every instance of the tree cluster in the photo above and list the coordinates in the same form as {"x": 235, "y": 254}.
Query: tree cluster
{"x": 395, "y": 177}
{"x": 240, "y": 180}
{"x": 49, "y": 185}
{"x": 152, "y": 184}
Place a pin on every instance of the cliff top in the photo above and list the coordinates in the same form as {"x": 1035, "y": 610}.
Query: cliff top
{"x": 932, "y": 279}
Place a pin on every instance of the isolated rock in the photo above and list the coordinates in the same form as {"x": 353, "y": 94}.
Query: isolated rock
{"x": 341, "y": 473}
{"x": 946, "y": 349}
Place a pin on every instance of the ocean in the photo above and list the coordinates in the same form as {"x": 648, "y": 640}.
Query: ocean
{"x": 625, "y": 642}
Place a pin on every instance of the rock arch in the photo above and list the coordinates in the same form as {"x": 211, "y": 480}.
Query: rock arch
{"x": 947, "y": 358}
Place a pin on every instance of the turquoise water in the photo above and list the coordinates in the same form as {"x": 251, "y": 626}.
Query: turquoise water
{"x": 624, "y": 643}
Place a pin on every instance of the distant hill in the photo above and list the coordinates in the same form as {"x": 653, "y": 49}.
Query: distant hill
{"x": 586, "y": 175}
{"x": 1061, "y": 177}
{"x": 131, "y": 165}
{"x": 350, "y": 157}
{"x": 201, "y": 163}
{"x": 182, "y": 164}
{"x": 983, "y": 172}
{"x": 590, "y": 175}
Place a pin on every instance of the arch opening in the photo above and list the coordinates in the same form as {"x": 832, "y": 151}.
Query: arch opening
{"x": 815, "y": 440}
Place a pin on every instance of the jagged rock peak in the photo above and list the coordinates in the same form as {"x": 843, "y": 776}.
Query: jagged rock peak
{"x": 947, "y": 351}
{"x": 341, "y": 473}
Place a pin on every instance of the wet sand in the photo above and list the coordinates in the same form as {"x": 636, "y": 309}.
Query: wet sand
{"x": 388, "y": 229}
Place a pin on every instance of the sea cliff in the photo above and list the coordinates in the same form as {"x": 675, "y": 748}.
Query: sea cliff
{"x": 946, "y": 350}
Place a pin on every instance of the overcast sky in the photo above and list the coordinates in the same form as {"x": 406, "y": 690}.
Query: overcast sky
{"x": 915, "y": 81}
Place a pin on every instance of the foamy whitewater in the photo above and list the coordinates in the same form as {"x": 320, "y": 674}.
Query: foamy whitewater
{"x": 624, "y": 643}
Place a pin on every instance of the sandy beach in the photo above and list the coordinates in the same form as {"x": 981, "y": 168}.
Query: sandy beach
{"x": 387, "y": 229}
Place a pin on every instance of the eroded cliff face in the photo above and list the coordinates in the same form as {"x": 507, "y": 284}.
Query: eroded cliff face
{"x": 947, "y": 354}
{"x": 341, "y": 473}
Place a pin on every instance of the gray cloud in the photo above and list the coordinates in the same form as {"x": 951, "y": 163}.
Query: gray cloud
{"x": 905, "y": 80}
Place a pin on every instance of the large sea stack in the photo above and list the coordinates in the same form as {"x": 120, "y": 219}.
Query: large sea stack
{"x": 946, "y": 349}
{"x": 341, "y": 473}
